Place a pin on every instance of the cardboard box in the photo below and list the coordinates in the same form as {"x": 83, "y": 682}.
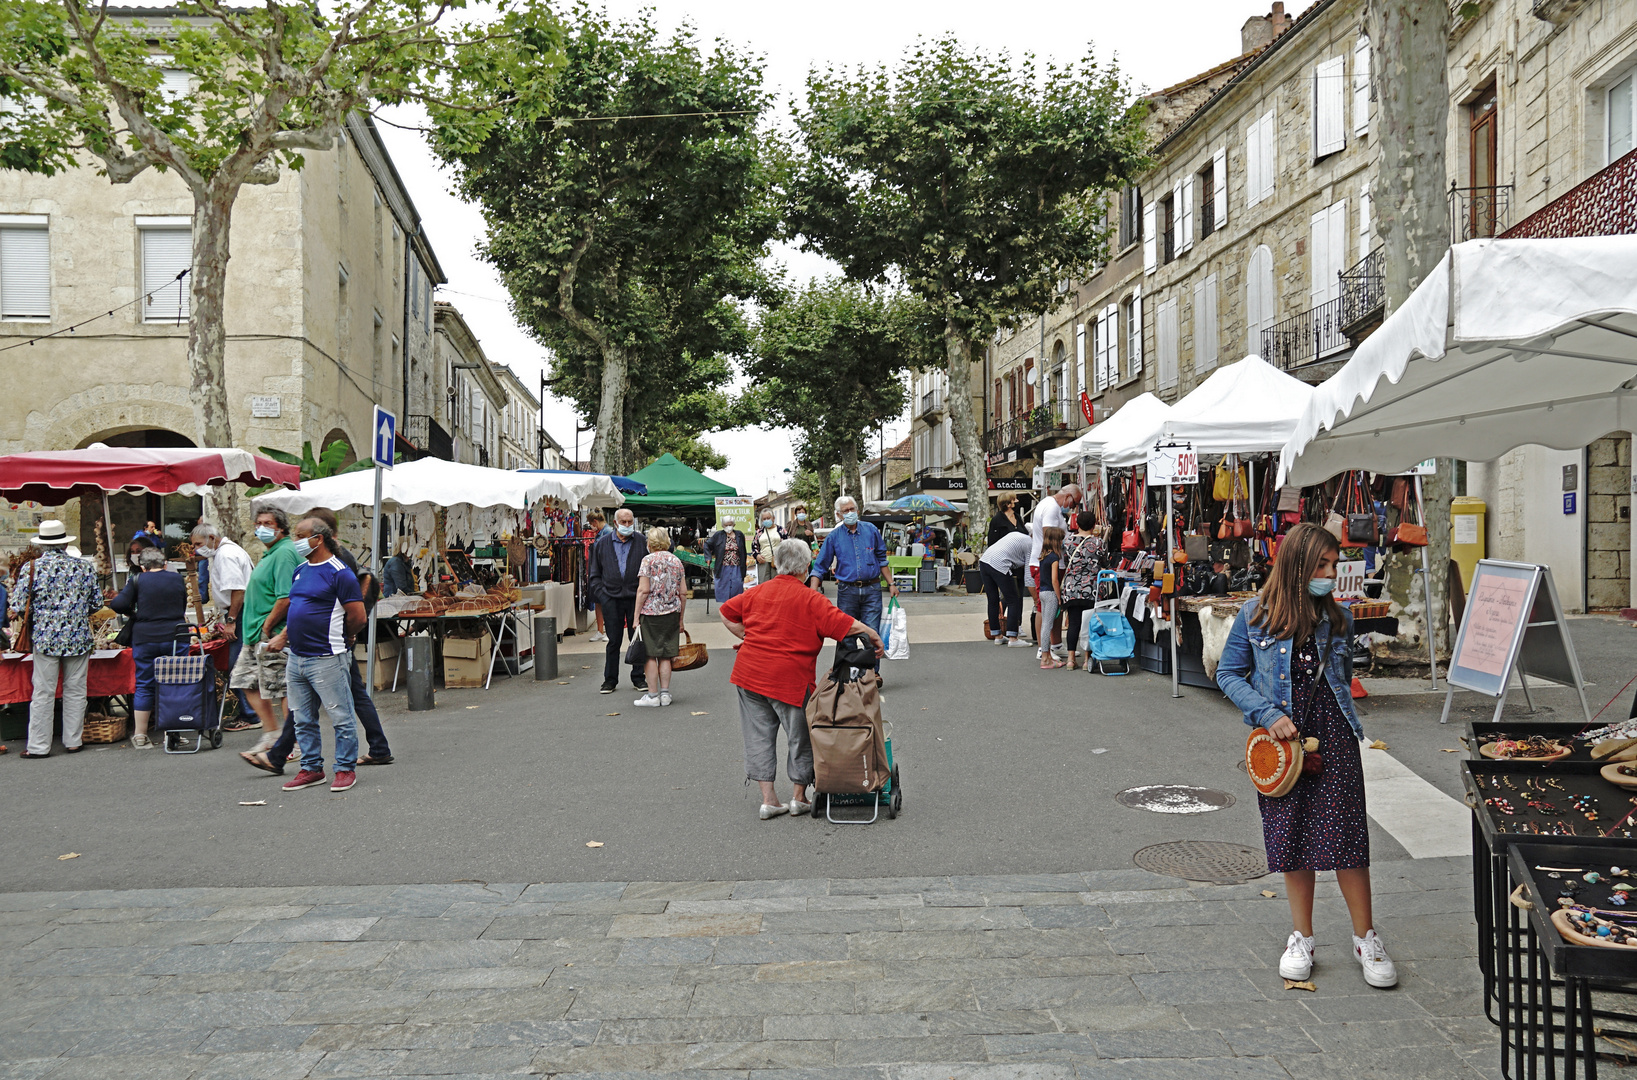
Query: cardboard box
{"x": 466, "y": 661}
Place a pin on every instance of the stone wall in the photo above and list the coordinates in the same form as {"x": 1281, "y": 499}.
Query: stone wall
{"x": 1608, "y": 522}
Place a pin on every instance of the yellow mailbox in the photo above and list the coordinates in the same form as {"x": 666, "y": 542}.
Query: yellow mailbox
{"x": 1466, "y": 535}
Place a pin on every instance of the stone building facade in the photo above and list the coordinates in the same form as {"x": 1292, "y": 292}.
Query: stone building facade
{"x": 475, "y": 402}
{"x": 329, "y": 274}
{"x": 521, "y": 442}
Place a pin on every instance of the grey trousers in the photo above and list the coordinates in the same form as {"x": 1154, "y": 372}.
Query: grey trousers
{"x": 43, "y": 705}
{"x": 1048, "y": 616}
{"x": 761, "y": 717}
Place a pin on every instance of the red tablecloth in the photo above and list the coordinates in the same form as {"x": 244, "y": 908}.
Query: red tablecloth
{"x": 114, "y": 675}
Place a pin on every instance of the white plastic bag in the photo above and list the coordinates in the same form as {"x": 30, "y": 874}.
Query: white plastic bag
{"x": 898, "y": 640}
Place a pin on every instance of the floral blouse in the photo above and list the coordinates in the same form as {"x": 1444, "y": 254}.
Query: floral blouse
{"x": 664, "y": 573}
{"x": 65, "y": 595}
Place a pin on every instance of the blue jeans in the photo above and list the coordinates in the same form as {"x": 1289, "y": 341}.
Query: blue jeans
{"x": 315, "y": 681}
{"x": 862, "y": 602}
{"x": 144, "y": 656}
{"x": 363, "y": 706}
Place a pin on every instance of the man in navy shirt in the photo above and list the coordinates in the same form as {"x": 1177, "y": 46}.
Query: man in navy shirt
{"x": 858, "y": 555}
{"x": 326, "y": 609}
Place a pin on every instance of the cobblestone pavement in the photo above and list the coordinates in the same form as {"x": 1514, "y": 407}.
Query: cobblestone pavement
{"x": 1116, "y": 973}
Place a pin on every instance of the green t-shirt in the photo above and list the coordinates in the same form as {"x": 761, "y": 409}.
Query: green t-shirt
{"x": 269, "y": 583}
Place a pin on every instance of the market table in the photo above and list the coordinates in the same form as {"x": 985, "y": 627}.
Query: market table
{"x": 497, "y": 623}
{"x": 112, "y": 674}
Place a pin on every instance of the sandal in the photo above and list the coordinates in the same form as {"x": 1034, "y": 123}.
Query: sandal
{"x": 141, "y": 741}
{"x": 1051, "y": 663}
{"x": 259, "y": 760}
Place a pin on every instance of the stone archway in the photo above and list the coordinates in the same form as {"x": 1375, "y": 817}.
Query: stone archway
{"x": 334, "y": 435}
{"x": 173, "y": 515}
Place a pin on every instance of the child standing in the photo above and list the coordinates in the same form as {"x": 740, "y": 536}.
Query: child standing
{"x": 1051, "y": 568}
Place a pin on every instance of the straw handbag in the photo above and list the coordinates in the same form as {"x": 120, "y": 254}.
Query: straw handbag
{"x": 689, "y": 655}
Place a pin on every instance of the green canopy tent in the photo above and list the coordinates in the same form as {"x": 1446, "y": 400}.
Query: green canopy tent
{"x": 675, "y": 488}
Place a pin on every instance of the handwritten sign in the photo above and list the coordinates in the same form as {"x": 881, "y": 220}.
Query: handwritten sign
{"x": 1172, "y": 463}
{"x": 1497, "y": 614}
{"x": 1350, "y": 579}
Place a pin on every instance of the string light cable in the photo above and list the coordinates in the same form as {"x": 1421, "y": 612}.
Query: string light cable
{"x": 145, "y": 298}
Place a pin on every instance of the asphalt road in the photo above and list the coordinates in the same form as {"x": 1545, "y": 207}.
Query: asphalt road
{"x": 1001, "y": 767}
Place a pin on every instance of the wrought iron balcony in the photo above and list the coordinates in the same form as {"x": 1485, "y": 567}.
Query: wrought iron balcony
{"x": 1003, "y": 436}
{"x": 932, "y": 404}
{"x": 1304, "y": 338}
{"x": 1363, "y": 292}
{"x": 1604, "y": 204}
{"x": 1476, "y": 212}
{"x": 428, "y": 436}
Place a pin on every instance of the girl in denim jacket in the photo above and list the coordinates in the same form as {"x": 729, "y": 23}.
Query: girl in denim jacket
{"x": 1288, "y": 665}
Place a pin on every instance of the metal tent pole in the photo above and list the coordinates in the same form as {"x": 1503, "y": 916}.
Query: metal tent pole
{"x": 1426, "y": 582}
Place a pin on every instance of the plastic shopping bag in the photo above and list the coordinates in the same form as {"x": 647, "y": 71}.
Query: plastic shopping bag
{"x": 898, "y": 627}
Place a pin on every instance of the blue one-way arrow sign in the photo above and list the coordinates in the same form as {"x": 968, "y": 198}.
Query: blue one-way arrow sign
{"x": 385, "y": 428}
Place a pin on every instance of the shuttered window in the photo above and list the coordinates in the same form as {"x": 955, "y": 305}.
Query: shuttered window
{"x": 1261, "y": 302}
{"x": 1361, "y": 86}
{"x": 166, "y": 252}
{"x": 1364, "y": 221}
{"x": 1328, "y": 251}
{"x": 1111, "y": 345}
{"x": 1080, "y": 356}
{"x": 1185, "y": 214}
{"x": 1165, "y": 335}
{"x": 1133, "y": 334}
{"x": 25, "y": 270}
{"x": 1219, "y": 188}
{"x": 1329, "y": 97}
{"x": 1261, "y": 159}
{"x": 174, "y": 84}
{"x": 1205, "y": 352}
{"x": 1150, "y": 241}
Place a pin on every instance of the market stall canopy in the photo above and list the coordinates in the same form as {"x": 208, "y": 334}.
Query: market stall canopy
{"x": 1507, "y": 342}
{"x": 1135, "y": 417}
{"x": 671, "y": 483}
{"x": 1246, "y": 408}
{"x": 625, "y": 484}
{"x": 923, "y": 503}
{"x": 53, "y": 477}
{"x": 435, "y": 482}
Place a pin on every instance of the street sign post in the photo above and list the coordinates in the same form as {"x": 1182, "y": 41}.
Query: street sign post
{"x": 383, "y": 440}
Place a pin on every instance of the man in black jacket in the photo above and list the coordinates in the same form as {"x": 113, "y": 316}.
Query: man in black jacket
{"x": 615, "y": 558}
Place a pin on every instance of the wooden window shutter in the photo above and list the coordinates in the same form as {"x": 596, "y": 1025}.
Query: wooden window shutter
{"x": 1318, "y": 253}
{"x": 1133, "y": 330}
{"x": 1219, "y": 182}
{"x": 25, "y": 273}
{"x": 1253, "y": 163}
{"x": 1178, "y": 237}
{"x": 1080, "y": 355}
{"x": 1364, "y": 221}
{"x": 1361, "y": 86}
{"x": 1150, "y": 247}
{"x": 1329, "y": 94}
{"x": 1186, "y": 213}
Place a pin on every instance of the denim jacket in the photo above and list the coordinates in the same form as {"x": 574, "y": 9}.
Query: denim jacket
{"x": 1255, "y": 670}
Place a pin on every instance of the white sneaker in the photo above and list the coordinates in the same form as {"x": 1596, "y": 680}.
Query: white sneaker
{"x": 597, "y": 635}
{"x": 1060, "y": 651}
{"x": 647, "y": 701}
{"x": 664, "y": 697}
{"x": 1372, "y": 956}
{"x": 1297, "y": 962}
{"x": 1016, "y": 643}
{"x": 774, "y": 811}
{"x": 1001, "y": 640}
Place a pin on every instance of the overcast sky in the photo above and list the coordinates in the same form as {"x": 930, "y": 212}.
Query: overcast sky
{"x": 1156, "y": 45}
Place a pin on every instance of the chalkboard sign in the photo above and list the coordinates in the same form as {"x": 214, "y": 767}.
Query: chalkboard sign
{"x": 1513, "y": 622}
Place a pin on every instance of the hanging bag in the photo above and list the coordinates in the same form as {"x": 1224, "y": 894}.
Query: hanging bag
{"x": 1409, "y": 532}
{"x": 1130, "y": 540}
{"x": 1335, "y": 523}
{"x": 1361, "y": 518}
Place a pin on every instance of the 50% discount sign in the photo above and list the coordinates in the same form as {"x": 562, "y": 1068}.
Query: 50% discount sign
{"x": 1172, "y": 463}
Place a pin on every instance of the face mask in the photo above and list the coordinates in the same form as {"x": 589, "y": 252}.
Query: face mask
{"x": 767, "y": 523}
{"x": 304, "y": 547}
{"x": 801, "y": 517}
{"x": 727, "y": 526}
{"x": 206, "y": 552}
{"x": 627, "y": 530}
{"x": 850, "y": 517}
{"x": 264, "y": 534}
{"x": 1321, "y": 586}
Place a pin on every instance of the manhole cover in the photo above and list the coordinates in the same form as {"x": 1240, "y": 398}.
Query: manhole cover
{"x": 1204, "y": 860}
{"x": 1175, "y": 799}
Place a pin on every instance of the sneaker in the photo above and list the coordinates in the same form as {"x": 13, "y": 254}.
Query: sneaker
{"x": 773, "y": 811}
{"x": 1372, "y": 956}
{"x": 1017, "y": 643}
{"x": 1297, "y": 962}
{"x": 1060, "y": 651}
{"x": 597, "y": 635}
{"x": 140, "y": 741}
{"x": 1001, "y": 640}
{"x": 664, "y": 697}
{"x": 639, "y": 682}
{"x": 608, "y": 688}
{"x": 647, "y": 701}
{"x": 306, "y": 778}
{"x": 344, "y": 780}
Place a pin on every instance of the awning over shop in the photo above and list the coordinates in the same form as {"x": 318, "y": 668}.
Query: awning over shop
{"x": 1246, "y": 408}
{"x": 625, "y": 484}
{"x": 1506, "y": 343}
{"x": 1135, "y": 417}
{"x": 673, "y": 484}
{"x": 435, "y": 482}
{"x": 53, "y": 477}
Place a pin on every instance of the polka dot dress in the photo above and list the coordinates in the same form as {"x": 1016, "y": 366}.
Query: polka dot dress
{"x": 1320, "y": 824}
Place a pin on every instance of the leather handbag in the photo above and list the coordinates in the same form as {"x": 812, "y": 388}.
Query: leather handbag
{"x": 1336, "y": 526}
{"x": 1408, "y": 533}
{"x": 1362, "y": 526}
{"x": 1243, "y": 528}
{"x": 1197, "y": 547}
{"x": 690, "y": 656}
{"x": 1290, "y": 500}
{"x": 25, "y": 636}
{"x": 1274, "y": 765}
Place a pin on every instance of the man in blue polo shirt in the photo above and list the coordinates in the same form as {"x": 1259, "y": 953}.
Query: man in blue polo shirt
{"x": 858, "y": 555}
{"x": 326, "y": 609}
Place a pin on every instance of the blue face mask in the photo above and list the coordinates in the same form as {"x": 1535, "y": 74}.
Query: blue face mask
{"x": 850, "y": 518}
{"x": 1321, "y": 586}
{"x": 303, "y": 546}
{"x": 767, "y": 523}
{"x": 801, "y": 517}
{"x": 264, "y": 534}
{"x": 626, "y": 530}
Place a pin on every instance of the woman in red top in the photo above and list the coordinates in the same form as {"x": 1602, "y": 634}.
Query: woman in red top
{"x": 783, "y": 625}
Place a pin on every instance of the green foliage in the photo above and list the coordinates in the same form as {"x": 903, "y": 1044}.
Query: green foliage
{"x": 805, "y": 486}
{"x": 692, "y": 451}
{"x": 327, "y": 464}
{"x": 628, "y": 220}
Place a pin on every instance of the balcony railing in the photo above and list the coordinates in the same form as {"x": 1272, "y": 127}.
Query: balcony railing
{"x": 1364, "y": 289}
{"x": 1476, "y": 212}
{"x": 428, "y": 436}
{"x": 1604, "y": 204}
{"x": 1310, "y": 336}
{"x": 1003, "y": 436}
{"x": 932, "y": 403}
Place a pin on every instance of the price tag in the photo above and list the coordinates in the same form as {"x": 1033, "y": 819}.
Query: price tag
{"x": 1350, "y": 579}
{"x": 1170, "y": 464}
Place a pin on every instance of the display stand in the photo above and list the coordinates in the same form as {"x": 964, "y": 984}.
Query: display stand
{"x": 1171, "y": 463}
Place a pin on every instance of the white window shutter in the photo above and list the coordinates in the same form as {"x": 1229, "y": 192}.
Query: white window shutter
{"x": 1219, "y": 182}
{"x": 1111, "y": 316}
{"x": 1260, "y": 302}
{"x": 1165, "y": 332}
{"x": 166, "y": 252}
{"x": 1338, "y": 245}
{"x": 1270, "y": 156}
{"x": 1361, "y": 86}
{"x": 1253, "y": 163}
{"x": 1211, "y": 321}
{"x": 1097, "y": 331}
{"x": 1150, "y": 249}
{"x": 1205, "y": 355}
{"x": 1329, "y": 95}
{"x": 1080, "y": 355}
{"x": 1186, "y": 213}
{"x": 1364, "y": 221}
{"x": 1133, "y": 332}
{"x": 1318, "y": 251}
{"x": 25, "y": 273}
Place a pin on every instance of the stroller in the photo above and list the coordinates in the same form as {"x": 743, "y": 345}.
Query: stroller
{"x": 185, "y": 701}
{"x": 852, "y": 747}
{"x": 1110, "y": 641}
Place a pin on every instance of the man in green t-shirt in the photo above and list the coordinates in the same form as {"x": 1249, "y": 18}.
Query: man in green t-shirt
{"x": 260, "y": 670}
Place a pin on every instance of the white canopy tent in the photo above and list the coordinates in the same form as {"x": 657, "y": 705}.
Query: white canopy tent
{"x": 1139, "y": 415}
{"x": 1506, "y": 343}
{"x": 432, "y": 482}
{"x": 1244, "y": 408}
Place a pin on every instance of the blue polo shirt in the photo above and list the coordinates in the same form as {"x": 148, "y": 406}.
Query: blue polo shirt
{"x": 858, "y": 556}
{"x": 316, "y": 621}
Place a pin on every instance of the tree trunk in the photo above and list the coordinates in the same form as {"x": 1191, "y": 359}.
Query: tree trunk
{"x": 1409, "y": 202}
{"x": 607, "y": 447}
{"x": 968, "y": 439}
{"x": 207, "y": 338}
{"x": 851, "y": 481}
{"x": 827, "y": 498}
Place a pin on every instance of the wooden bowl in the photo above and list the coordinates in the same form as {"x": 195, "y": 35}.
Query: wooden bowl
{"x": 1572, "y": 934}
{"x": 1488, "y": 751}
{"x": 1611, "y": 774}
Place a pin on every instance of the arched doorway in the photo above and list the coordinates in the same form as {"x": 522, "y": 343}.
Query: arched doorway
{"x": 173, "y": 516}
{"x": 337, "y": 435}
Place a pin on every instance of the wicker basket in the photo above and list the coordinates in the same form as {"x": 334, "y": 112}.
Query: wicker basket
{"x": 104, "y": 729}
{"x": 690, "y": 656}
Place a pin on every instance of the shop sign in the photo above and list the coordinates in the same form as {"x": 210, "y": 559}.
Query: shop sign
{"x": 1172, "y": 463}
{"x": 1086, "y": 409}
{"x": 1009, "y": 483}
{"x": 1350, "y": 579}
{"x": 265, "y": 405}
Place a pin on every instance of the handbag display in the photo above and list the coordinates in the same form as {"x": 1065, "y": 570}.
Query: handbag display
{"x": 1408, "y": 532}
{"x": 1362, "y": 524}
{"x": 1197, "y": 547}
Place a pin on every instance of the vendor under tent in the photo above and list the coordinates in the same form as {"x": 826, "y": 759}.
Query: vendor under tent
{"x": 1506, "y": 343}
{"x": 673, "y": 486}
{"x": 1139, "y": 415}
{"x": 1245, "y": 408}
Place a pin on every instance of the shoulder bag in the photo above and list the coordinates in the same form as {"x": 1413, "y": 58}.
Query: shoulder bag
{"x": 25, "y": 636}
{"x": 1361, "y": 516}
{"x": 1408, "y": 532}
